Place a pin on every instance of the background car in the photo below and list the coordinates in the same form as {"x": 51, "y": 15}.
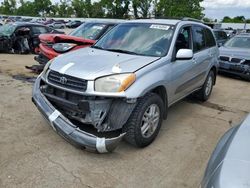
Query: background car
{"x": 57, "y": 25}
{"x": 22, "y": 37}
{"x": 74, "y": 24}
{"x": 230, "y": 32}
{"x": 220, "y": 36}
{"x": 229, "y": 164}
{"x": 235, "y": 56}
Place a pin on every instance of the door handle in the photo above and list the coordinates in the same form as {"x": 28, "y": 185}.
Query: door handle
{"x": 194, "y": 61}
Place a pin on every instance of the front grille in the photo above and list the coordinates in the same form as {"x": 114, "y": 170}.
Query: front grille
{"x": 66, "y": 81}
{"x": 231, "y": 60}
{"x": 236, "y": 60}
{"x": 247, "y": 62}
{"x": 224, "y": 58}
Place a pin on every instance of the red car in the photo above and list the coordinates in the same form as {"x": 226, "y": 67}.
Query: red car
{"x": 85, "y": 35}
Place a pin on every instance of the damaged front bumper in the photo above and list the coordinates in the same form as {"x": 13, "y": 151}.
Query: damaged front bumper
{"x": 41, "y": 59}
{"x": 239, "y": 69}
{"x": 68, "y": 130}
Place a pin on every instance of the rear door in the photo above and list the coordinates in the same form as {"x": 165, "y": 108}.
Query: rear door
{"x": 202, "y": 55}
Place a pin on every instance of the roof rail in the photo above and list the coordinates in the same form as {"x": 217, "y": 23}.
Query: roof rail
{"x": 191, "y": 19}
{"x": 180, "y": 18}
{"x": 166, "y": 17}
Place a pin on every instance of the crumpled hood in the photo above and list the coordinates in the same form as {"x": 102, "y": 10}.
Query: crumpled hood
{"x": 55, "y": 38}
{"x": 235, "y": 52}
{"x": 90, "y": 63}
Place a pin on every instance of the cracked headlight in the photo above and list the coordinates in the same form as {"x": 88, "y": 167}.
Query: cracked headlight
{"x": 114, "y": 83}
{"x": 63, "y": 47}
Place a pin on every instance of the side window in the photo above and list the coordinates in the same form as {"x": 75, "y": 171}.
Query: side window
{"x": 183, "y": 40}
{"x": 39, "y": 30}
{"x": 210, "y": 41}
{"x": 224, "y": 35}
{"x": 199, "y": 41}
{"x": 49, "y": 30}
{"x": 220, "y": 35}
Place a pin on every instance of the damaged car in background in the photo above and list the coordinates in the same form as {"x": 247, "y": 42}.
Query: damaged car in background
{"x": 122, "y": 86}
{"x": 53, "y": 45}
{"x": 22, "y": 37}
{"x": 235, "y": 56}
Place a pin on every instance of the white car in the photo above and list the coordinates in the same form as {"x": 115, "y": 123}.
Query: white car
{"x": 57, "y": 25}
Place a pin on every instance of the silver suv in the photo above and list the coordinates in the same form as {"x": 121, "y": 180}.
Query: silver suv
{"x": 122, "y": 86}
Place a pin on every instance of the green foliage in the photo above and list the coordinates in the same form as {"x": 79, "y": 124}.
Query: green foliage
{"x": 237, "y": 19}
{"x": 42, "y": 7}
{"x": 180, "y": 8}
{"x": 26, "y": 8}
{"x": 62, "y": 9}
{"x": 116, "y": 8}
{"x": 8, "y": 7}
{"x": 141, "y": 8}
{"x": 110, "y": 9}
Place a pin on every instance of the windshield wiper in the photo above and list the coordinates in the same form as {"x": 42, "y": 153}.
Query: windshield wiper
{"x": 97, "y": 47}
{"x": 123, "y": 51}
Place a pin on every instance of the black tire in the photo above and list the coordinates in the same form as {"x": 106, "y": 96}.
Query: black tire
{"x": 133, "y": 126}
{"x": 202, "y": 94}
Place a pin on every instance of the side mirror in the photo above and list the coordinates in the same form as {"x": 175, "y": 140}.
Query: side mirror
{"x": 184, "y": 54}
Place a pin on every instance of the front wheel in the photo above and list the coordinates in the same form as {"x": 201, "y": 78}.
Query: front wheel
{"x": 144, "y": 123}
{"x": 206, "y": 90}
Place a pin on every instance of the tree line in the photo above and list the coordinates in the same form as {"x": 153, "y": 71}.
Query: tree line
{"x": 237, "y": 19}
{"x": 104, "y": 8}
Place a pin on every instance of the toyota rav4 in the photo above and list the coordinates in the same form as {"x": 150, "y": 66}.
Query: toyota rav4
{"x": 122, "y": 86}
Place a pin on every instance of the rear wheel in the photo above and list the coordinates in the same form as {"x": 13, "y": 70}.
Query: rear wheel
{"x": 206, "y": 90}
{"x": 144, "y": 123}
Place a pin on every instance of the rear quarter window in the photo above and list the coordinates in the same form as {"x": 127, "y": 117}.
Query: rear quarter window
{"x": 210, "y": 41}
{"x": 39, "y": 30}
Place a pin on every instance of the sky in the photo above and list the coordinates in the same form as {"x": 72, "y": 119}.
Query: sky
{"x": 217, "y": 9}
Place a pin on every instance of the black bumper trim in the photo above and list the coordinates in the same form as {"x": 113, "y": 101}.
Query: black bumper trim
{"x": 41, "y": 59}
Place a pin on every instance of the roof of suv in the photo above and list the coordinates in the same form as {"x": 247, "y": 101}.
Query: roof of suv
{"x": 159, "y": 21}
{"x": 23, "y": 24}
{"x": 169, "y": 21}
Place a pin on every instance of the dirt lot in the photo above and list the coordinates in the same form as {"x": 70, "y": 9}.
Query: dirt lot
{"x": 33, "y": 155}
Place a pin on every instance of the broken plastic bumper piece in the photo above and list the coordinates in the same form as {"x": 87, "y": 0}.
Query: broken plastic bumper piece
{"x": 68, "y": 130}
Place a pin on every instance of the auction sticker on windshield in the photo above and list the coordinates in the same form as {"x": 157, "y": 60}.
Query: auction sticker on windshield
{"x": 98, "y": 26}
{"x": 161, "y": 27}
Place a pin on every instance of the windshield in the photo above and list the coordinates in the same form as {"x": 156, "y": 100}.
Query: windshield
{"x": 7, "y": 29}
{"x": 239, "y": 42}
{"x": 138, "y": 38}
{"x": 89, "y": 30}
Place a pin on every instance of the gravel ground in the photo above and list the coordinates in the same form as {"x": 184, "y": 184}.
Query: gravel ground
{"x": 33, "y": 155}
